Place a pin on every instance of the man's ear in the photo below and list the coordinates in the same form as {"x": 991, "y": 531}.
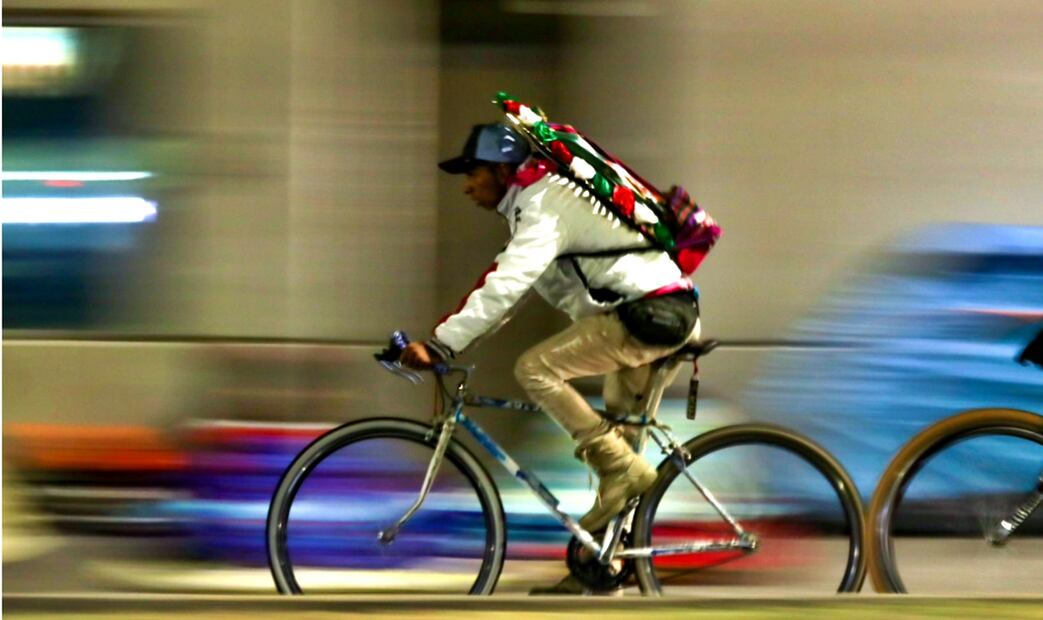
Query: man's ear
{"x": 503, "y": 173}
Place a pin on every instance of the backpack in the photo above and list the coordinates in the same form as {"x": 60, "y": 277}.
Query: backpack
{"x": 672, "y": 222}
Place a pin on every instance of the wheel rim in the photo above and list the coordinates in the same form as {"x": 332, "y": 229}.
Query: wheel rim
{"x": 923, "y": 523}
{"x": 803, "y": 546}
{"x": 323, "y": 525}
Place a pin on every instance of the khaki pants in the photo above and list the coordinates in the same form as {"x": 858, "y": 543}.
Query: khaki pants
{"x": 595, "y": 345}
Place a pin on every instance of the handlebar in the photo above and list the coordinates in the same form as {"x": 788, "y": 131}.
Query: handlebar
{"x": 389, "y": 359}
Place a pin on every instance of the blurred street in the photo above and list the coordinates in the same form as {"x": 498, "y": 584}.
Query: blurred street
{"x": 243, "y": 608}
{"x": 85, "y": 565}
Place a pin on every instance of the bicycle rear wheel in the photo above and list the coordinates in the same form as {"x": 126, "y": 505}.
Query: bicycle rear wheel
{"x": 790, "y": 493}
{"x": 358, "y": 480}
{"x": 941, "y": 495}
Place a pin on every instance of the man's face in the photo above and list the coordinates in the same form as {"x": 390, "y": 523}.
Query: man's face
{"x": 486, "y": 185}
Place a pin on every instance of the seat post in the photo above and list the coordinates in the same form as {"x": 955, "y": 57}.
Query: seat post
{"x": 663, "y": 369}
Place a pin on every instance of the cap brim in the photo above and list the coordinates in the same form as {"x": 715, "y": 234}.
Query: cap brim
{"x": 458, "y": 165}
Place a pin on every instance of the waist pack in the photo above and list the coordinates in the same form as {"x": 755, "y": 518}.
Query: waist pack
{"x": 666, "y": 320}
{"x": 671, "y": 222}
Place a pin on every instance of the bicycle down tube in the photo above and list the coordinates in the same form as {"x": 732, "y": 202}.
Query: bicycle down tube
{"x": 534, "y": 483}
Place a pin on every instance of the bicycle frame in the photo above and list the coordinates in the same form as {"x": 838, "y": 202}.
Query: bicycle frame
{"x": 1001, "y": 532}
{"x": 446, "y": 421}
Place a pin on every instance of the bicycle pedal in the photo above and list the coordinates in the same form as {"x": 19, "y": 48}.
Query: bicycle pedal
{"x": 588, "y": 569}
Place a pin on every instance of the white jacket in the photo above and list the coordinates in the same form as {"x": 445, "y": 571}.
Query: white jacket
{"x": 549, "y": 219}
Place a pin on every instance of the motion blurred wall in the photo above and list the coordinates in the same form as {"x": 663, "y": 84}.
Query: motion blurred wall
{"x": 304, "y": 203}
{"x": 301, "y": 216}
{"x": 299, "y": 205}
{"x": 815, "y": 132}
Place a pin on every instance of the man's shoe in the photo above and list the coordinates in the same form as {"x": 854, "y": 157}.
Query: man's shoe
{"x": 622, "y": 475}
{"x": 615, "y": 490}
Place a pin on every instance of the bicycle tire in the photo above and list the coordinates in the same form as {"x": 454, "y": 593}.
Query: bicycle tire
{"x": 911, "y": 459}
{"x": 760, "y": 435}
{"x": 457, "y": 454}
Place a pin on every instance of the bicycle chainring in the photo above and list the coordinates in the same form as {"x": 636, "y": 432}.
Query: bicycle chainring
{"x": 584, "y": 566}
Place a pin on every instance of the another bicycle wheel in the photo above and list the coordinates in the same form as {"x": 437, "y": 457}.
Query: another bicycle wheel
{"x": 937, "y": 502}
{"x": 786, "y": 490}
{"x": 358, "y": 480}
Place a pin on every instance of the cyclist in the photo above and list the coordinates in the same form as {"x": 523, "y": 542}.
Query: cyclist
{"x": 628, "y": 309}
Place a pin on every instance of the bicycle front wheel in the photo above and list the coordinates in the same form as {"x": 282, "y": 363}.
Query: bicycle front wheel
{"x": 357, "y": 481}
{"x": 795, "y": 500}
{"x": 939, "y": 500}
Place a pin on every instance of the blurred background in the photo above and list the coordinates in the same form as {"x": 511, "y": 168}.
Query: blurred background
{"x": 214, "y": 213}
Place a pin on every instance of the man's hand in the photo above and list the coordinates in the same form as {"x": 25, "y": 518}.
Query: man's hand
{"x": 418, "y": 357}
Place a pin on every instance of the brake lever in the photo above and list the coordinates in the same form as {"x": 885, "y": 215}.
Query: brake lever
{"x": 397, "y": 369}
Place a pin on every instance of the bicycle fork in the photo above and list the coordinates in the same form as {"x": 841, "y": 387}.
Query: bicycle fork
{"x": 1001, "y": 532}
{"x": 387, "y": 536}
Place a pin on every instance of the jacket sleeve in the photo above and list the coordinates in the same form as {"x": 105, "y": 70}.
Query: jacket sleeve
{"x": 537, "y": 241}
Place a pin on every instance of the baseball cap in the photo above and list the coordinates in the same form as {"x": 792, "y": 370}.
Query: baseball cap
{"x": 492, "y": 143}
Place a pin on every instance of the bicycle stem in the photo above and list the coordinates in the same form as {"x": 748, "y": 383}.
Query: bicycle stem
{"x": 387, "y": 536}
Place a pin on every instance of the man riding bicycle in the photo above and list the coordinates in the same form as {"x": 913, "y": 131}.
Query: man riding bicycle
{"x": 629, "y": 309}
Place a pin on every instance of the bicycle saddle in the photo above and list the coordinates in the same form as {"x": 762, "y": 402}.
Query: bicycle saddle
{"x": 698, "y": 349}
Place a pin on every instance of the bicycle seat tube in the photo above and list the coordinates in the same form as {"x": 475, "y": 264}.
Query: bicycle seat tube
{"x": 661, "y": 375}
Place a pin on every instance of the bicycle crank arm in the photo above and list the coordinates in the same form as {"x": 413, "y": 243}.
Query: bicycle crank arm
{"x": 615, "y": 530}
{"x": 746, "y": 544}
{"x": 1001, "y": 532}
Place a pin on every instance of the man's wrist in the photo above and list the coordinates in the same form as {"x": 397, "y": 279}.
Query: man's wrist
{"x": 440, "y": 348}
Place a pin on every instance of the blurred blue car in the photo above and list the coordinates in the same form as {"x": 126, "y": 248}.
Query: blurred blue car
{"x": 930, "y": 328}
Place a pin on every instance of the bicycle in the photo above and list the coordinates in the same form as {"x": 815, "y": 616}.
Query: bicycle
{"x": 996, "y": 456}
{"x": 394, "y": 504}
